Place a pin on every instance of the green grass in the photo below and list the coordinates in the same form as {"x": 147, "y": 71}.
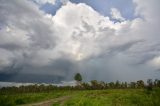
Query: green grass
{"x": 110, "y": 97}
{"x": 25, "y": 98}
{"x": 114, "y": 97}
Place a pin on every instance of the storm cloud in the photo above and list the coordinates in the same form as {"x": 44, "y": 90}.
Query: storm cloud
{"x": 50, "y": 48}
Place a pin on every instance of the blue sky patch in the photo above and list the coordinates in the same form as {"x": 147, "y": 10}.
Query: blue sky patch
{"x": 126, "y": 7}
{"x": 50, "y": 8}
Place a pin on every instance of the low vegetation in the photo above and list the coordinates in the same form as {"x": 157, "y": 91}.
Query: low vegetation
{"x": 114, "y": 97}
{"x": 108, "y": 97}
{"x": 94, "y": 93}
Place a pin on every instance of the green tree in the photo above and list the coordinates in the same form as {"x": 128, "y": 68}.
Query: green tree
{"x": 117, "y": 85}
{"x": 140, "y": 84}
{"x": 94, "y": 84}
{"x": 150, "y": 84}
{"x": 126, "y": 85}
{"x": 132, "y": 84}
{"x": 111, "y": 85}
{"x": 78, "y": 78}
{"x": 156, "y": 83}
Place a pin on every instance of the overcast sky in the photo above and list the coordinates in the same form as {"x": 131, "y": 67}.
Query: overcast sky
{"x": 51, "y": 40}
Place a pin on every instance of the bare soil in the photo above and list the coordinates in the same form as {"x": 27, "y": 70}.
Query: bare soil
{"x": 49, "y": 102}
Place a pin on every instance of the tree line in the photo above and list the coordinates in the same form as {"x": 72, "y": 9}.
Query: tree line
{"x": 92, "y": 85}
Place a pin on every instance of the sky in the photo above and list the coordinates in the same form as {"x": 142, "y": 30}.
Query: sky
{"x": 106, "y": 40}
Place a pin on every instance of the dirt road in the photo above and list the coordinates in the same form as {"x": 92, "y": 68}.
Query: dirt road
{"x": 49, "y": 102}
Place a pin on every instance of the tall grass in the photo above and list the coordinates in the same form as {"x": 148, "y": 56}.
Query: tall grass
{"x": 110, "y": 97}
{"x": 25, "y": 98}
{"x": 115, "y": 97}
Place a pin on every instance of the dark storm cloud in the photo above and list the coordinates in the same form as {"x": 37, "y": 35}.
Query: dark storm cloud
{"x": 25, "y": 32}
{"x": 40, "y": 47}
{"x": 29, "y": 78}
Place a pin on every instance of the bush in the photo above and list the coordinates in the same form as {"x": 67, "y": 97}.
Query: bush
{"x": 19, "y": 101}
{"x": 4, "y": 101}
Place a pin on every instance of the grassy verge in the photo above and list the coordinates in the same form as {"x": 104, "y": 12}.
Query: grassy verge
{"x": 109, "y": 97}
{"x": 25, "y": 98}
{"x": 114, "y": 97}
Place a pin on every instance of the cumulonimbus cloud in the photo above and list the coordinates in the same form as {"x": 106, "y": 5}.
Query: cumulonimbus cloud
{"x": 77, "y": 39}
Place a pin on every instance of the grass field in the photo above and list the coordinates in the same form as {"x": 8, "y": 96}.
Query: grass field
{"x": 114, "y": 98}
{"x": 110, "y": 97}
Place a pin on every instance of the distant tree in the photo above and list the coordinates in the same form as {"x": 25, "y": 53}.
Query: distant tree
{"x": 140, "y": 84}
{"x": 126, "y": 85}
{"x": 132, "y": 84}
{"x": 117, "y": 84}
{"x": 122, "y": 85}
{"x": 78, "y": 78}
{"x": 102, "y": 85}
{"x": 94, "y": 84}
{"x": 106, "y": 85}
{"x": 150, "y": 84}
{"x": 149, "y": 81}
{"x": 97, "y": 85}
{"x": 111, "y": 85}
{"x": 86, "y": 85}
{"x": 156, "y": 82}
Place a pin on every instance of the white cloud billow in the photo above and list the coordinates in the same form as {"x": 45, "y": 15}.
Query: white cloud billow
{"x": 80, "y": 37}
{"x": 115, "y": 13}
{"x": 41, "y": 2}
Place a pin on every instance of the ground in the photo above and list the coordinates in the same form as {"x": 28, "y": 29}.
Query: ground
{"x": 109, "y": 97}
